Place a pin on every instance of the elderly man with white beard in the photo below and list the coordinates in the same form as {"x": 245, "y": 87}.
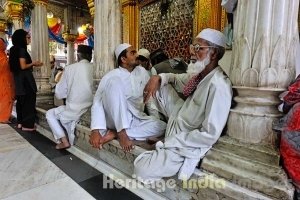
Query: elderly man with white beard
{"x": 194, "y": 123}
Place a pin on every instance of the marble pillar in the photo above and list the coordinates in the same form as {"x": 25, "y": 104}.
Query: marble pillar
{"x": 263, "y": 64}
{"x": 69, "y": 35}
{"x": 70, "y": 53}
{"x": 70, "y": 39}
{"x": 40, "y": 47}
{"x": 107, "y": 23}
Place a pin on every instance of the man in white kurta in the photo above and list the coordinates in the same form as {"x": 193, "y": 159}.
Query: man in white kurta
{"x": 118, "y": 108}
{"x": 75, "y": 86}
{"x": 195, "y": 123}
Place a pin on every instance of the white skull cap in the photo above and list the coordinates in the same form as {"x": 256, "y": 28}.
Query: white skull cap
{"x": 213, "y": 36}
{"x": 144, "y": 52}
{"x": 120, "y": 48}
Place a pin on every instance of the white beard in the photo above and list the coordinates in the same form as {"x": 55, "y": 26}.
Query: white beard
{"x": 198, "y": 66}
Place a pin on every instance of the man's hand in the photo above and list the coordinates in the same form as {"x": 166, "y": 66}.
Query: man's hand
{"x": 151, "y": 87}
{"x": 95, "y": 139}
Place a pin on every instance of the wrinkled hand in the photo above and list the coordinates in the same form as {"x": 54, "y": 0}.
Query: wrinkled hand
{"x": 151, "y": 87}
{"x": 95, "y": 139}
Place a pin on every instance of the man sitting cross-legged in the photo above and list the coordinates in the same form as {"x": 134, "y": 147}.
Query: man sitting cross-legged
{"x": 118, "y": 108}
{"x": 195, "y": 122}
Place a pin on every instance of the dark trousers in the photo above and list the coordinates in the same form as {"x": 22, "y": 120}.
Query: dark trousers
{"x": 26, "y": 110}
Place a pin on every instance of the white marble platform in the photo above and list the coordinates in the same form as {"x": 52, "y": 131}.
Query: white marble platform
{"x": 25, "y": 173}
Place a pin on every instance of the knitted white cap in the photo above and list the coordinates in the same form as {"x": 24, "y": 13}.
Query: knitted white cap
{"x": 144, "y": 52}
{"x": 120, "y": 48}
{"x": 213, "y": 36}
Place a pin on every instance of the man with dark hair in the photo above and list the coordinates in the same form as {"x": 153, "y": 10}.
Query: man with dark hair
{"x": 162, "y": 64}
{"x": 118, "y": 108}
{"x": 158, "y": 56}
{"x": 75, "y": 85}
{"x": 144, "y": 61}
{"x": 195, "y": 122}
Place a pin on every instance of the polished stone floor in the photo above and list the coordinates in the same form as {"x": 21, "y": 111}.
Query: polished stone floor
{"x": 31, "y": 168}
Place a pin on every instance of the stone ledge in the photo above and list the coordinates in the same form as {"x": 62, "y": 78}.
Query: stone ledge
{"x": 249, "y": 165}
{"x": 112, "y": 160}
{"x": 255, "y": 152}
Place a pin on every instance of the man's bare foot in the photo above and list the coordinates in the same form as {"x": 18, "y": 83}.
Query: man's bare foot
{"x": 96, "y": 139}
{"x": 64, "y": 143}
{"x": 125, "y": 142}
{"x": 19, "y": 126}
{"x": 109, "y": 136}
{"x": 62, "y": 146}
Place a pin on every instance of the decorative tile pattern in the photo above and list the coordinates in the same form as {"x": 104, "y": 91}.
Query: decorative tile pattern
{"x": 172, "y": 32}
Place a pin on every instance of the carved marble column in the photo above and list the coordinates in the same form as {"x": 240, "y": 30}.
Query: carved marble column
{"x": 70, "y": 39}
{"x": 263, "y": 64}
{"x": 13, "y": 10}
{"x": 40, "y": 47}
{"x": 107, "y": 35}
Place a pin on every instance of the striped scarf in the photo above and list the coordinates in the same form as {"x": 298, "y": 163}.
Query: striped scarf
{"x": 191, "y": 86}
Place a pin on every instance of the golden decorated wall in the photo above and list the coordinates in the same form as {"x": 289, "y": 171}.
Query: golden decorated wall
{"x": 170, "y": 30}
{"x": 145, "y": 24}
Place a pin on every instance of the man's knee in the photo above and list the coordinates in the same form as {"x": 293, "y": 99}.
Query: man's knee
{"x": 50, "y": 114}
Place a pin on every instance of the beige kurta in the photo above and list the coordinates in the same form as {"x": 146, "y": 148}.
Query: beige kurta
{"x": 194, "y": 126}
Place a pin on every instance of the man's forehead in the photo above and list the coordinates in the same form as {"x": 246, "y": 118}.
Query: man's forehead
{"x": 200, "y": 41}
{"x": 129, "y": 49}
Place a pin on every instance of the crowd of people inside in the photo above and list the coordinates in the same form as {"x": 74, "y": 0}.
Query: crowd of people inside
{"x": 178, "y": 108}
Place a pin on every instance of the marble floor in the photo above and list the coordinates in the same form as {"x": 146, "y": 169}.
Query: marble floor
{"x": 31, "y": 168}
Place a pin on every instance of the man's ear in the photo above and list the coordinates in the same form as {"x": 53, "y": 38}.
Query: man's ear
{"x": 123, "y": 59}
{"x": 213, "y": 55}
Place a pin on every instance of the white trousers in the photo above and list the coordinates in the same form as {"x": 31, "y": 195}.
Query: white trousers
{"x": 162, "y": 162}
{"x": 121, "y": 114}
{"x": 55, "y": 125}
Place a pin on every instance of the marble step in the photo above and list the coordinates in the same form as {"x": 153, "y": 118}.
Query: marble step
{"x": 266, "y": 179}
{"x": 254, "y": 152}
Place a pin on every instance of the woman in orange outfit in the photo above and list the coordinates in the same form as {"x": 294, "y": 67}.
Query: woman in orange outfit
{"x": 7, "y": 92}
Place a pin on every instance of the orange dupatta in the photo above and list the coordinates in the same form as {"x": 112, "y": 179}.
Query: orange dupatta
{"x": 7, "y": 90}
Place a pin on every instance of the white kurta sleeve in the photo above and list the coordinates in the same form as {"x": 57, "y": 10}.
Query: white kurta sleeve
{"x": 61, "y": 89}
{"x": 177, "y": 80}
